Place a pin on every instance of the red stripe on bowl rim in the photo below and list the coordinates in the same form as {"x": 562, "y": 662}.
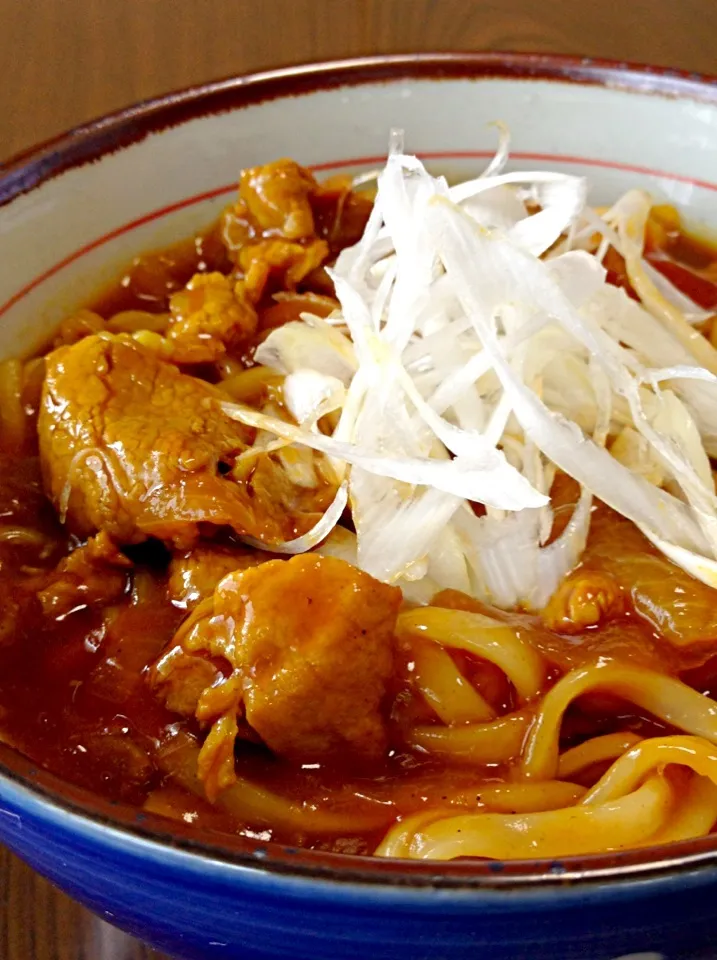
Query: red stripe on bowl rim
{"x": 340, "y": 165}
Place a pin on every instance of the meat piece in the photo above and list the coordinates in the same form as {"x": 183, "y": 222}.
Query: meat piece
{"x": 680, "y": 608}
{"x": 95, "y": 573}
{"x": 194, "y": 574}
{"x": 316, "y": 652}
{"x": 305, "y": 647}
{"x": 181, "y": 678}
{"x": 215, "y": 313}
{"x": 279, "y": 263}
{"x": 132, "y": 446}
{"x": 584, "y": 599}
{"x": 271, "y": 232}
{"x": 277, "y": 198}
{"x": 209, "y": 316}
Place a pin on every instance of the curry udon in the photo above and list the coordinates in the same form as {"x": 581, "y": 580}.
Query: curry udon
{"x": 378, "y": 522}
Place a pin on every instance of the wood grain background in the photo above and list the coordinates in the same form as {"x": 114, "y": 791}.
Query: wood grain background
{"x": 65, "y": 61}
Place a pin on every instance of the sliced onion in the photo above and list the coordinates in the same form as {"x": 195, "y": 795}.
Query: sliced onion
{"x": 307, "y": 541}
{"x": 314, "y": 345}
{"x": 488, "y": 479}
{"x": 310, "y": 395}
{"x": 559, "y": 439}
{"x": 629, "y": 217}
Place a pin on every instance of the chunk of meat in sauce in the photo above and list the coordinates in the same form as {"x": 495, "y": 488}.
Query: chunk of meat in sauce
{"x": 308, "y": 650}
{"x": 621, "y": 572}
{"x": 212, "y": 314}
{"x": 279, "y": 264}
{"x": 132, "y": 446}
{"x": 277, "y": 198}
{"x": 194, "y": 574}
{"x": 96, "y": 573}
{"x": 282, "y": 200}
{"x": 584, "y": 599}
{"x": 680, "y": 608}
{"x": 285, "y": 226}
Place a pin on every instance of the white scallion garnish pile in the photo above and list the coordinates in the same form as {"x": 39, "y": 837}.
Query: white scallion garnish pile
{"x": 483, "y": 350}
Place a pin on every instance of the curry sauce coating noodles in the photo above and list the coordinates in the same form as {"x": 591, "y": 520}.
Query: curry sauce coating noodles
{"x": 632, "y": 815}
{"x": 443, "y": 686}
{"x": 695, "y": 753}
{"x": 484, "y": 637}
{"x": 609, "y": 746}
{"x": 472, "y": 733}
{"x": 246, "y": 802}
{"x": 665, "y": 697}
{"x": 496, "y": 742}
{"x": 614, "y": 825}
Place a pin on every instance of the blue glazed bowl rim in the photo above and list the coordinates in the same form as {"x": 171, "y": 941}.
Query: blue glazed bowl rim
{"x": 25, "y": 790}
{"x": 29, "y": 794}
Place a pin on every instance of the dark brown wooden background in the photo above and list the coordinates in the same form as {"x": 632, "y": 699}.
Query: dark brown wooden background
{"x": 66, "y": 61}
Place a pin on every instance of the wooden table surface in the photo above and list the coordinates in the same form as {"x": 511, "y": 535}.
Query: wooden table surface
{"x": 65, "y": 61}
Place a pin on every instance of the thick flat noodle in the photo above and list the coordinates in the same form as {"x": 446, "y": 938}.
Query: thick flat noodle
{"x": 444, "y": 688}
{"x": 248, "y": 803}
{"x": 484, "y": 637}
{"x": 555, "y": 833}
{"x": 593, "y": 751}
{"x": 664, "y": 697}
{"x": 634, "y": 765}
{"x": 496, "y": 742}
{"x": 623, "y": 638}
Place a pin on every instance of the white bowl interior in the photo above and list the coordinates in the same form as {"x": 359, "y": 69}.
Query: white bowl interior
{"x": 64, "y": 240}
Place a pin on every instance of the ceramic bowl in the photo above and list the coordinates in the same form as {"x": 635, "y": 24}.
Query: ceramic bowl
{"x": 72, "y": 211}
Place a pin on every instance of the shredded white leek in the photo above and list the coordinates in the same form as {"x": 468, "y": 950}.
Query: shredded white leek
{"x": 485, "y": 350}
